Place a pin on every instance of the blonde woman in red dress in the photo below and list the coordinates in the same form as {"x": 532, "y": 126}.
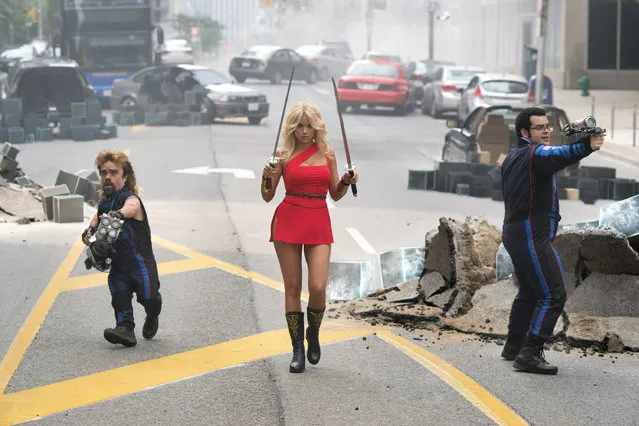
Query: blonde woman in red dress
{"x": 301, "y": 222}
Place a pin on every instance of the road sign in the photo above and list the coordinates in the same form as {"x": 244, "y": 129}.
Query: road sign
{"x": 207, "y": 170}
{"x": 195, "y": 33}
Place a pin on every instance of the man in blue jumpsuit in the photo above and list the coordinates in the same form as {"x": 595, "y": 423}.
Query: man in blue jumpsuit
{"x": 133, "y": 267}
{"x": 530, "y": 226}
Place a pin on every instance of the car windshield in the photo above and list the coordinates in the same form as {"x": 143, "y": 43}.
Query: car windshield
{"x": 372, "y": 69}
{"x": 209, "y": 77}
{"x": 505, "y": 86}
{"x": 112, "y": 51}
{"x": 462, "y": 74}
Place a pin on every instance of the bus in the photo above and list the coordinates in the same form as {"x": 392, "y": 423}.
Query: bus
{"x": 109, "y": 39}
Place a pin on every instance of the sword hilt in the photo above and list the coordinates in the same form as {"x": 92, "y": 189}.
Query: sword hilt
{"x": 272, "y": 161}
{"x": 351, "y": 171}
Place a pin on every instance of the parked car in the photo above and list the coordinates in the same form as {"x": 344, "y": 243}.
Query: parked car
{"x": 375, "y": 83}
{"x": 272, "y": 63}
{"x": 177, "y": 51}
{"x": 341, "y": 47}
{"x": 420, "y": 72}
{"x": 47, "y": 85}
{"x": 223, "y": 99}
{"x": 443, "y": 92}
{"x": 492, "y": 128}
{"x": 492, "y": 89}
{"x": 329, "y": 61}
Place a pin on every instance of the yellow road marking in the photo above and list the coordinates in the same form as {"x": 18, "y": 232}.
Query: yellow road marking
{"x": 139, "y": 128}
{"x": 490, "y": 405}
{"x": 33, "y": 403}
{"x": 34, "y": 321}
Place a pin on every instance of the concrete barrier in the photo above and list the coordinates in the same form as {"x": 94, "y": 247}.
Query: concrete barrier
{"x": 68, "y": 208}
{"x": 68, "y": 179}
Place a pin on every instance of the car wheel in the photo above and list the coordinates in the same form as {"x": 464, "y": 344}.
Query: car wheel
{"x": 324, "y": 74}
{"x": 312, "y": 79}
{"x": 277, "y": 77}
{"x": 240, "y": 79}
{"x": 255, "y": 120}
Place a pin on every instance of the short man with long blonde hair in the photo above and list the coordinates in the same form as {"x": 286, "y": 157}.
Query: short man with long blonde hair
{"x": 133, "y": 267}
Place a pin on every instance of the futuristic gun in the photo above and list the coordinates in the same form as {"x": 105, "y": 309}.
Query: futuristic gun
{"x": 586, "y": 125}
{"x": 101, "y": 245}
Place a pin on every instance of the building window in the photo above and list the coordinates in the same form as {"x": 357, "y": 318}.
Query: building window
{"x": 602, "y": 34}
{"x": 629, "y": 55}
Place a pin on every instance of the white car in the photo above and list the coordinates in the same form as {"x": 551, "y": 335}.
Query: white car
{"x": 177, "y": 51}
{"x": 328, "y": 61}
{"x": 492, "y": 89}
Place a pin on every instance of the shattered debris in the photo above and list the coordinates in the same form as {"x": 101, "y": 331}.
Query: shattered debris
{"x": 459, "y": 291}
{"x": 20, "y": 204}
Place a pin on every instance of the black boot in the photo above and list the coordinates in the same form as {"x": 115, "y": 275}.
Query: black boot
{"x": 121, "y": 334}
{"x": 512, "y": 347}
{"x": 531, "y": 358}
{"x": 150, "y": 326}
{"x": 312, "y": 334}
{"x": 295, "y": 321}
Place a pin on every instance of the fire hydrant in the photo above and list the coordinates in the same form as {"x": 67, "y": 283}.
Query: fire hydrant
{"x": 583, "y": 83}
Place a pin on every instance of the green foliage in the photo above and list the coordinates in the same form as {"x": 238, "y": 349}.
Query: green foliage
{"x": 16, "y": 26}
{"x": 210, "y": 30}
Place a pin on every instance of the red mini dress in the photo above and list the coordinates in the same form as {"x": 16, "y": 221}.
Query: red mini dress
{"x": 299, "y": 218}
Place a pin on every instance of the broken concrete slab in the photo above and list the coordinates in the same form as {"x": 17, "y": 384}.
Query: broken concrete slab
{"x": 567, "y": 244}
{"x": 404, "y": 292}
{"x": 8, "y": 165}
{"x": 585, "y": 329}
{"x": 605, "y": 295}
{"x": 443, "y": 300}
{"x": 608, "y": 251}
{"x": 17, "y": 202}
{"x": 431, "y": 283}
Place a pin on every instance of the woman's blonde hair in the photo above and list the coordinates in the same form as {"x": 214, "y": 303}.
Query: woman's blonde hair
{"x": 293, "y": 118}
{"x": 121, "y": 159}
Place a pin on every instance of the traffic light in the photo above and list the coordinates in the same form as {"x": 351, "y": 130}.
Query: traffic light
{"x": 33, "y": 14}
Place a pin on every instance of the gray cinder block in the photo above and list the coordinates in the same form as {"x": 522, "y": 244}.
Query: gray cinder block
{"x": 8, "y": 164}
{"x": 81, "y": 187}
{"x": 16, "y": 135}
{"x": 9, "y": 150}
{"x": 68, "y": 179}
{"x": 89, "y": 174}
{"x": 68, "y": 208}
{"x": 22, "y": 181}
{"x": 47, "y": 195}
{"x": 92, "y": 193}
{"x": 78, "y": 110}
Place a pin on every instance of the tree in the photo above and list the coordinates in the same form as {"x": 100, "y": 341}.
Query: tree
{"x": 19, "y": 20}
{"x": 210, "y": 30}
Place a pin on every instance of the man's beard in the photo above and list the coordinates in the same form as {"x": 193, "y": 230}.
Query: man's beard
{"x": 108, "y": 189}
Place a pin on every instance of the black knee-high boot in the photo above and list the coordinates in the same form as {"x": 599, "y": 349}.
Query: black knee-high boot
{"x": 295, "y": 321}
{"x": 312, "y": 334}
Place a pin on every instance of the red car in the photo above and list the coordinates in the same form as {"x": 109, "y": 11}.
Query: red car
{"x": 375, "y": 83}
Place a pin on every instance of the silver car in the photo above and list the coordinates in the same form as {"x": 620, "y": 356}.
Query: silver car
{"x": 328, "y": 61}
{"x": 492, "y": 89}
{"x": 442, "y": 93}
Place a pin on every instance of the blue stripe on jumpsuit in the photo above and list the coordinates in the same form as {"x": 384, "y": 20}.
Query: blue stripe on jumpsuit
{"x": 145, "y": 276}
{"x": 540, "y": 275}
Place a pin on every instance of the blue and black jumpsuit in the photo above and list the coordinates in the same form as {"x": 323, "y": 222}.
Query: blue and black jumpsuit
{"x": 530, "y": 226}
{"x": 134, "y": 269}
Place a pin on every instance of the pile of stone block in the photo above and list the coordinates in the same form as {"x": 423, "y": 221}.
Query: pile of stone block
{"x": 85, "y": 123}
{"x": 9, "y": 169}
{"x": 149, "y": 113}
{"x": 477, "y": 179}
{"x": 64, "y": 202}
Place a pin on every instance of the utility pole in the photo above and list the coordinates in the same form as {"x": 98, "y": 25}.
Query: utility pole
{"x": 39, "y": 10}
{"x": 541, "y": 52}
{"x": 369, "y": 25}
{"x": 432, "y": 8}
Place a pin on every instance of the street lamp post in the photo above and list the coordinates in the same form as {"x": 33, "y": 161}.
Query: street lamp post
{"x": 432, "y": 8}
{"x": 541, "y": 53}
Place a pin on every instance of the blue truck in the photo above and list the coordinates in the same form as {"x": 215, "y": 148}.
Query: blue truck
{"x": 109, "y": 39}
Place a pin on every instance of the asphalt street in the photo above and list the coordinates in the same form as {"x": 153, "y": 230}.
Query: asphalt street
{"x": 222, "y": 353}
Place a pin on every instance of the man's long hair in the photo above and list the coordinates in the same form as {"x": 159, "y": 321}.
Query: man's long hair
{"x": 122, "y": 160}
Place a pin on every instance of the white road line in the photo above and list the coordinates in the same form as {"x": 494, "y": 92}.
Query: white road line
{"x": 330, "y": 204}
{"x": 322, "y": 91}
{"x": 361, "y": 241}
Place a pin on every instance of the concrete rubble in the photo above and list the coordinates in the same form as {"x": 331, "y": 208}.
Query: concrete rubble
{"x": 458, "y": 289}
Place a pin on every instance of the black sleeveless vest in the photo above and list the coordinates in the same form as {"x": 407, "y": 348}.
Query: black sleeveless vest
{"x": 134, "y": 243}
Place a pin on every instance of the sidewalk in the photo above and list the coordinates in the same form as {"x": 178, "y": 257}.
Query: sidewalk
{"x": 620, "y": 133}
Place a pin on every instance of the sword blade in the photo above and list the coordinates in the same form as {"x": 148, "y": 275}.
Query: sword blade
{"x": 341, "y": 123}
{"x": 279, "y": 129}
